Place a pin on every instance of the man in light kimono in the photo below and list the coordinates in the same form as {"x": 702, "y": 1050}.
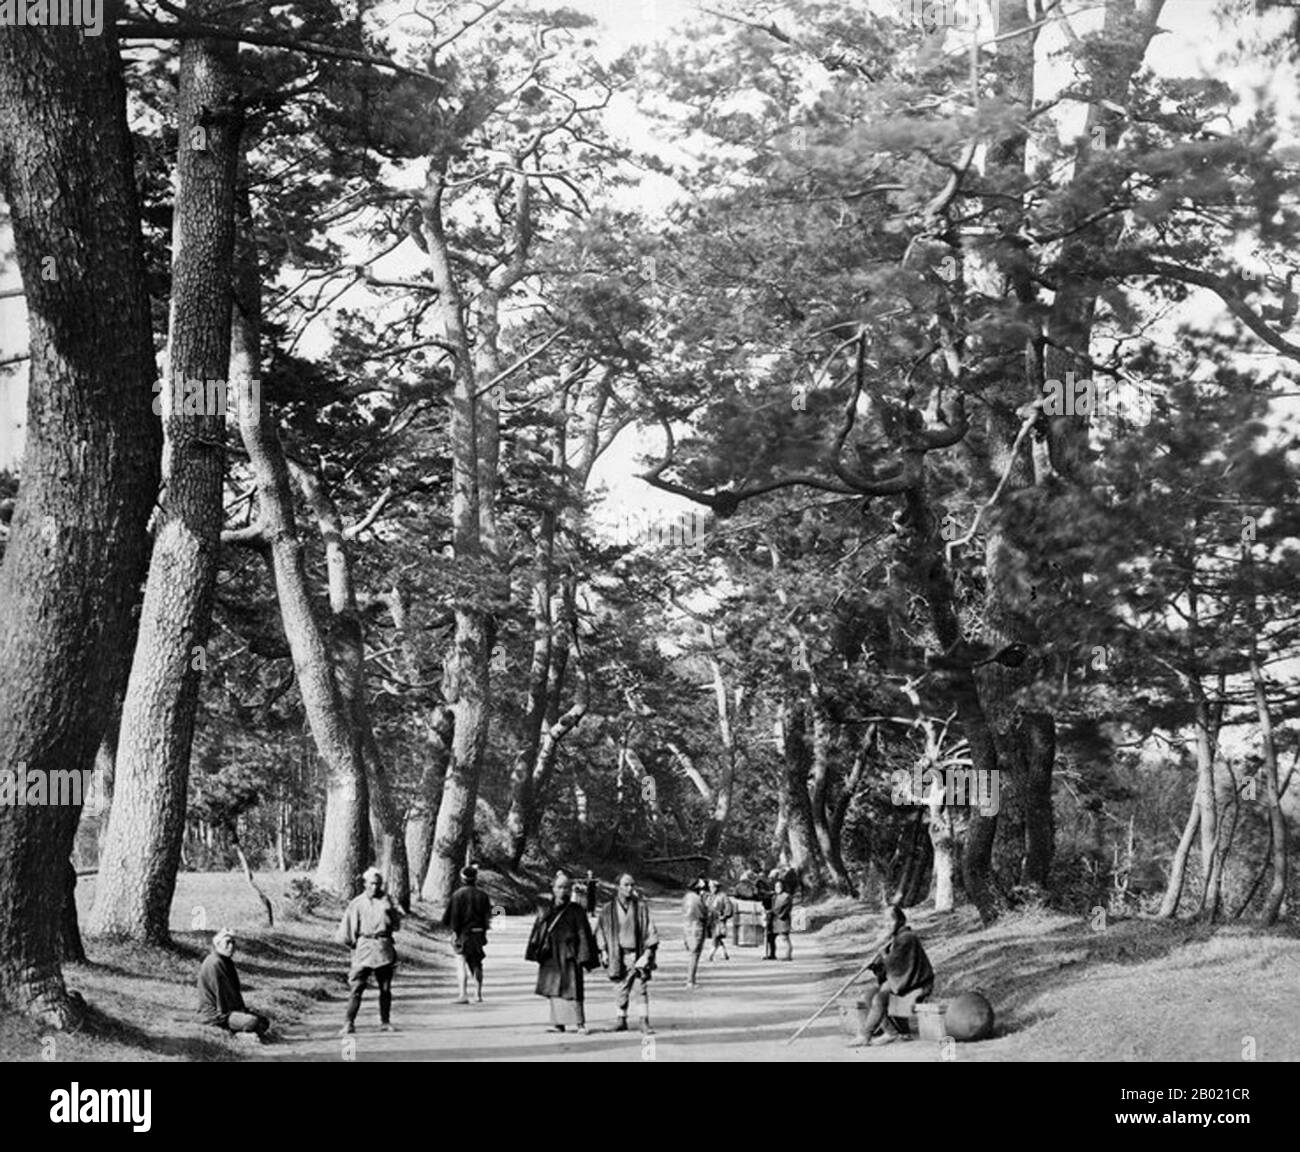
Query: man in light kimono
{"x": 562, "y": 944}
{"x": 367, "y": 928}
{"x": 627, "y": 940}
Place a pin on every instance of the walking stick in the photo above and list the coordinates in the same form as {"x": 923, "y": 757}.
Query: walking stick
{"x": 875, "y": 956}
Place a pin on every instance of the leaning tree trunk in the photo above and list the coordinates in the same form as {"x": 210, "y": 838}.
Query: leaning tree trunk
{"x": 345, "y": 842}
{"x": 1276, "y": 818}
{"x": 78, "y": 545}
{"x": 423, "y": 812}
{"x": 349, "y": 655}
{"x": 137, "y": 871}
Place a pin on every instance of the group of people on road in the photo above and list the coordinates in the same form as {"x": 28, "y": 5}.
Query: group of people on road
{"x": 707, "y": 912}
{"x": 563, "y": 945}
{"x": 775, "y": 892}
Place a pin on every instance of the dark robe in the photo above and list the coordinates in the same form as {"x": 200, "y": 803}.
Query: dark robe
{"x": 469, "y": 912}
{"x": 562, "y": 943}
{"x": 219, "y": 992}
{"x": 782, "y": 903}
{"x": 905, "y": 966}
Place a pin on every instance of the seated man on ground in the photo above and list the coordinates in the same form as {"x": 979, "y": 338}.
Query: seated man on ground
{"x": 221, "y": 1003}
{"x": 901, "y": 968}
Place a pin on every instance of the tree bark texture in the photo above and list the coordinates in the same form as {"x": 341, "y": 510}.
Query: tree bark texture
{"x": 141, "y": 852}
{"x": 78, "y": 545}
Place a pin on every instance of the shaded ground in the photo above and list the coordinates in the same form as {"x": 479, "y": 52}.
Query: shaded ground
{"x": 1137, "y": 990}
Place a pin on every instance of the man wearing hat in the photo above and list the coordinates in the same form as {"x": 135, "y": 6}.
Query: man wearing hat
{"x": 468, "y": 915}
{"x": 221, "y": 1002}
{"x": 367, "y": 928}
{"x": 695, "y": 927}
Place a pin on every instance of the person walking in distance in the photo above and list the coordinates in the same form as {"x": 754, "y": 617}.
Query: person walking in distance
{"x": 721, "y": 910}
{"x": 695, "y": 926}
{"x": 782, "y": 910}
{"x": 469, "y": 913}
{"x": 628, "y": 941}
{"x": 367, "y": 928}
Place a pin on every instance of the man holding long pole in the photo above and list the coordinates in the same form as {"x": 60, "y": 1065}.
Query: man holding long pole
{"x": 901, "y": 967}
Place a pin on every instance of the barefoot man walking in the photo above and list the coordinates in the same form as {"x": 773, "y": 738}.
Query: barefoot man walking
{"x": 469, "y": 913}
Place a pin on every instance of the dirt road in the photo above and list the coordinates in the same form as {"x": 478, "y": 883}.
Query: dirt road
{"x": 744, "y": 1009}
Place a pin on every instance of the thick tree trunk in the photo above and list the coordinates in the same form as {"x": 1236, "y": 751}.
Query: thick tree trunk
{"x": 817, "y": 786}
{"x": 805, "y": 855}
{"x": 345, "y": 842}
{"x": 423, "y": 812}
{"x": 930, "y": 575}
{"x": 141, "y": 853}
{"x": 850, "y": 789}
{"x": 474, "y": 450}
{"x": 78, "y": 545}
{"x": 467, "y": 683}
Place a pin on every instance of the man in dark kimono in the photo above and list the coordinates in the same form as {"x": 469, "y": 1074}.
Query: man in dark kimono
{"x": 469, "y": 913}
{"x": 562, "y": 943}
{"x": 901, "y": 968}
{"x": 221, "y": 1001}
{"x": 627, "y": 940}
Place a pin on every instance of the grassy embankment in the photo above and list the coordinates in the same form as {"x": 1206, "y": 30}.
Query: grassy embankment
{"x": 142, "y": 998}
{"x": 1136, "y": 990}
